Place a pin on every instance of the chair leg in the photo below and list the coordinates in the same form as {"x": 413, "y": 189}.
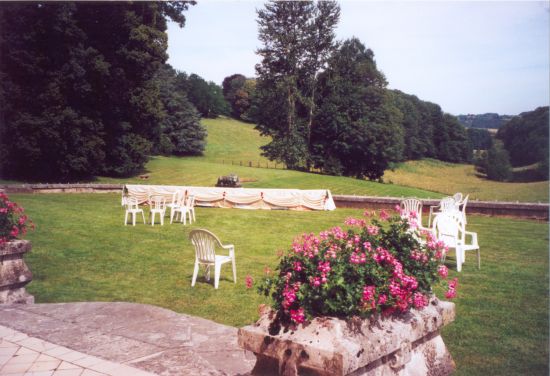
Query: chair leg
{"x": 234, "y": 270}
{"x": 478, "y": 259}
{"x": 126, "y": 219}
{"x": 194, "y": 219}
{"x": 217, "y": 272}
{"x": 143, "y": 216}
{"x": 458, "y": 259}
{"x": 195, "y": 273}
{"x": 171, "y": 215}
{"x": 183, "y": 218}
{"x": 134, "y": 219}
{"x": 161, "y": 215}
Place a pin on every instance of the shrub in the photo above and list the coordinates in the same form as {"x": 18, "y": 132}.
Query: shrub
{"x": 375, "y": 266}
{"x": 13, "y": 221}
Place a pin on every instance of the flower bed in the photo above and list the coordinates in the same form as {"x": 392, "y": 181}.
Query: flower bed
{"x": 379, "y": 264}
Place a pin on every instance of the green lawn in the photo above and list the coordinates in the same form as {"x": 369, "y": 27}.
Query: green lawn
{"x": 82, "y": 252}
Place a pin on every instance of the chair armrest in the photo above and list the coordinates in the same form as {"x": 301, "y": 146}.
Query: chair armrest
{"x": 473, "y": 235}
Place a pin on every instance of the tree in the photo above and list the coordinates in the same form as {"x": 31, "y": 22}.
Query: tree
{"x": 78, "y": 86}
{"x": 207, "y": 97}
{"x": 480, "y": 139}
{"x": 358, "y": 131}
{"x": 182, "y": 132}
{"x": 525, "y": 137}
{"x": 238, "y": 91}
{"x": 498, "y": 165}
{"x": 297, "y": 37}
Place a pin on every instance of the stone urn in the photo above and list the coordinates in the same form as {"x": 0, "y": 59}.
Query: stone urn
{"x": 408, "y": 344}
{"x": 14, "y": 273}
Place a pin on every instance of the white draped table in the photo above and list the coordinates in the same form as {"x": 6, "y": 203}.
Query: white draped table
{"x": 243, "y": 198}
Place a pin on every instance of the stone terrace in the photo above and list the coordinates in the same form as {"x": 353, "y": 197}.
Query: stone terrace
{"x": 115, "y": 339}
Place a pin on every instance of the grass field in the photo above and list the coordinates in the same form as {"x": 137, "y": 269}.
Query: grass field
{"x": 82, "y": 252}
{"x": 230, "y": 141}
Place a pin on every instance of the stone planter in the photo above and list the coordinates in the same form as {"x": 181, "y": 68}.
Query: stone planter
{"x": 409, "y": 344}
{"x": 14, "y": 273}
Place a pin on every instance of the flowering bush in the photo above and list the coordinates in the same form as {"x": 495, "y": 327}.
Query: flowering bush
{"x": 13, "y": 223}
{"x": 378, "y": 265}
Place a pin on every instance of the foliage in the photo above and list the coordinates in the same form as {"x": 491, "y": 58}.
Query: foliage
{"x": 381, "y": 267}
{"x": 297, "y": 39}
{"x": 13, "y": 221}
{"x": 483, "y": 121}
{"x": 357, "y": 129}
{"x": 480, "y": 139}
{"x": 77, "y": 86}
{"x": 451, "y": 141}
{"x": 525, "y": 137}
{"x": 239, "y": 92}
{"x": 497, "y": 165}
{"x": 207, "y": 97}
{"x": 182, "y": 132}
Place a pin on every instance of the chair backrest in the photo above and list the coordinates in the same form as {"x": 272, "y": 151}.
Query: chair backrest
{"x": 190, "y": 201}
{"x": 131, "y": 203}
{"x": 410, "y": 205}
{"x": 157, "y": 202}
{"x": 205, "y": 243}
{"x": 449, "y": 228}
{"x": 180, "y": 197}
{"x": 457, "y": 197}
{"x": 447, "y": 204}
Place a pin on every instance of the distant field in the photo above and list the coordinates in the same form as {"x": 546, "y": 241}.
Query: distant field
{"x": 231, "y": 141}
{"x": 449, "y": 178}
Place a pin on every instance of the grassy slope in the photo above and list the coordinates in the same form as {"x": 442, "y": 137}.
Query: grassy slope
{"x": 82, "y": 252}
{"x": 449, "y": 178}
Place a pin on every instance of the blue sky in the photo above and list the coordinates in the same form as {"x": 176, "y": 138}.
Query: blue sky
{"x": 469, "y": 57}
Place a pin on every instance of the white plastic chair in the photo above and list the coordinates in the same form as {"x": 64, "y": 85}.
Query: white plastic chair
{"x": 187, "y": 209}
{"x": 205, "y": 243}
{"x": 177, "y": 202}
{"x": 457, "y": 197}
{"x": 462, "y": 208}
{"x": 132, "y": 208}
{"x": 446, "y": 204}
{"x": 410, "y": 205}
{"x": 157, "y": 205}
{"x": 450, "y": 228}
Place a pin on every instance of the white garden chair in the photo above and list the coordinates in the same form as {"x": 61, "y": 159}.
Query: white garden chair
{"x": 132, "y": 208}
{"x": 450, "y": 228}
{"x": 410, "y": 205}
{"x": 447, "y": 204}
{"x": 176, "y": 203}
{"x": 462, "y": 208}
{"x": 205, "y": 243}
{"x": 457, "y": 197}
{"x": 185, "y": 210}
{"x": 157, "y": 205}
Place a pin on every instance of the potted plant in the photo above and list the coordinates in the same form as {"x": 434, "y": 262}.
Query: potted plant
{"x": 14, "y": 273}
{"x": 356, "y": 300}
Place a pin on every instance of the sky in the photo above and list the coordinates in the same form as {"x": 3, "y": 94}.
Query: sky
{"x": 468, "y": 57}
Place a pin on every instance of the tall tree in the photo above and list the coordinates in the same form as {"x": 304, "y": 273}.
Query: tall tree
{"x": 206, "y": 96}
{"x": 358, "y": 130}
{"x": 182, "y": 132}
{"x": 297, "y": 37}
{"x": 88, "y": 70}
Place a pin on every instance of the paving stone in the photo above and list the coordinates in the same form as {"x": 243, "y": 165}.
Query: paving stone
{"x": 45, "y": 366}
{"x": 67, "y": 365}
{"x": 68, "y": 372}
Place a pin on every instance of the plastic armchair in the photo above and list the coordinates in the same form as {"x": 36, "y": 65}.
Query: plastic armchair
{"x": 412, "y": 205}
{"x": 205, "y": 243}
{"x": 175, "y": 204}
{"x": 191, "y": 208}
{"x": 447, "y": 204}
{"x": 133, "y": 209}
{"x": 461, "y": 206}
{"x": 457, "y": 197}
{"x": 157, "y": 205}
{"x": 449, "y": 227}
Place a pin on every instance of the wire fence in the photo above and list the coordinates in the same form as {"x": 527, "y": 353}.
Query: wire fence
{"x": 255, "y": 164}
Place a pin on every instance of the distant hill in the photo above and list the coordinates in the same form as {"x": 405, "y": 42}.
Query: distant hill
{"x": 487, "y": 121}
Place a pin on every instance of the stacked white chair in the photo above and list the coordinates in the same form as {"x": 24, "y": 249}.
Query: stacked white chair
{"x": 450, "y": 228}
{"x": 186, "y": 210}
{"x": 205, "y": 243}
{"x": 157, "y": 205}
{"x": 412, "y": 205}
{"x": 176, "y": 203}
{"x": 133, "y": 209}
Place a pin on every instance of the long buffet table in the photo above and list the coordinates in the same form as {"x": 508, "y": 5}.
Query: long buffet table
{"x": 243, "y": 198}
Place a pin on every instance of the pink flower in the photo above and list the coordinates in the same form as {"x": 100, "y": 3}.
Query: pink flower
{"x": 315, "y": 281}
{"x": 297, "y": 266}
{"x": 420, "y": 300}
{"x": 442, "y": 271}
{"x": 14, "y": 231}
{"x": 249, "y": 281}
{"x": 297, "y": 315}
{"x": 368, "y": 293}
{"x": 451, "y": 292}
{"x": 323, "y": 267}
{"x": 382, "y": 299}
{"x": 372, "y": 230}
{"x": 384, "y": 215}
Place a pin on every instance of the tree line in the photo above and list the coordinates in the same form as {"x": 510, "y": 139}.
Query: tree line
{"x": 86, "y": 90}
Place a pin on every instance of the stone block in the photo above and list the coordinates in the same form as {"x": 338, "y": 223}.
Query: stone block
{"x": 406, "y": 344}
{"x": 14, "y": 273}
